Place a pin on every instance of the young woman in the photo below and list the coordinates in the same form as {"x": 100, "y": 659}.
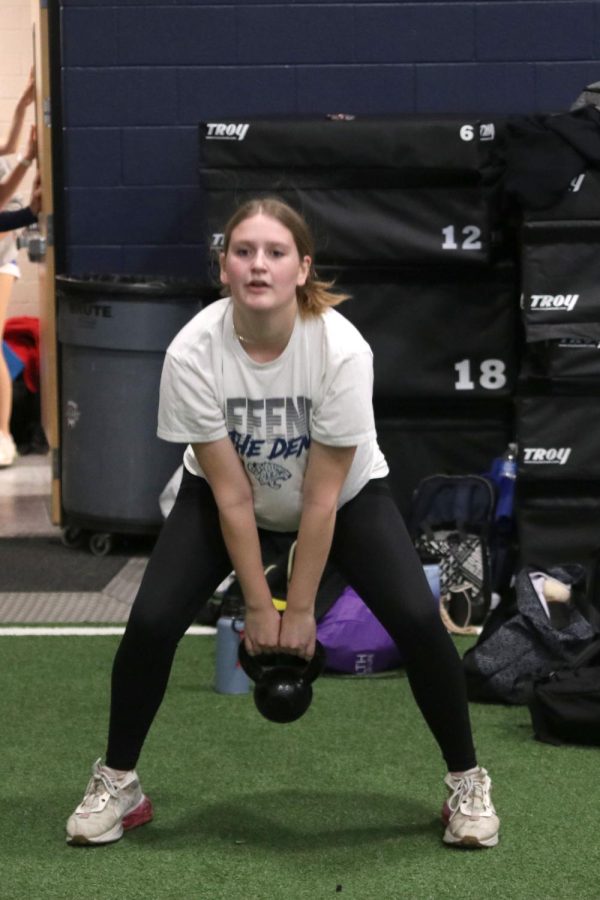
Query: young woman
{"x": 272, "y": 388}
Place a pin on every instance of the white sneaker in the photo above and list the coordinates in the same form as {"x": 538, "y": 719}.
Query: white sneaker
{"x": 109, "y": 807}
{"x": 8, "y": 450}
{"x": 469, "y": 813}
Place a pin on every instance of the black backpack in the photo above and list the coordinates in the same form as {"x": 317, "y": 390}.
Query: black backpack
{"x": 450, "y": 523}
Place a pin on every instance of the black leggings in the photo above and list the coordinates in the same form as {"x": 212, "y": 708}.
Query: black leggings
{"x": 372, "y": 550}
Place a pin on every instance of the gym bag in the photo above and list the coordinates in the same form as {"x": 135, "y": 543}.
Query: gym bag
{"x": 520, "y": 642}
{"x": 449, "y": 522}
{"x": 355, "y": 642}
{"x": 565, "y": 705}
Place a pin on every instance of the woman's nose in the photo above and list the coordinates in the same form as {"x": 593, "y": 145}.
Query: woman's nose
{"x": 259, "y": 261}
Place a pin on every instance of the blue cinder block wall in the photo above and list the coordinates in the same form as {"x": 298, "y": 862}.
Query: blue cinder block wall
{"x": 138, "y": 75}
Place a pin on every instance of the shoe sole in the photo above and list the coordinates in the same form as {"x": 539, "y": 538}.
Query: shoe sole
{"x": 142, "y": 814}
{"x": 470, "y": 841}
{"x": 7, "y": 461}
{"x": 467, "y": 840}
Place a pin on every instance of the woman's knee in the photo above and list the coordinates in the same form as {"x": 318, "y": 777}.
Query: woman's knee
{"x": 418, "y": 627}
{"x": 155, "y": 625}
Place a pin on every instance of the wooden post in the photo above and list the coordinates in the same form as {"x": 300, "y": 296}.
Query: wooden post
{"x": 50, "y": 401}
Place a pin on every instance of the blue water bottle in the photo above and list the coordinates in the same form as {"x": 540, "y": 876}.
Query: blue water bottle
{"x": 230, "y": 678}
{"x": 432, "y": 573}
{"x": 509, "y": 462}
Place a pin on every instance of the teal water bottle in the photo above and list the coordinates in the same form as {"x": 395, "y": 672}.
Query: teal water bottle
{"x": 230, "y": 678}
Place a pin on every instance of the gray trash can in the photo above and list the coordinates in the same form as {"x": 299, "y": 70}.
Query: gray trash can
{"x": 113, "y": 332}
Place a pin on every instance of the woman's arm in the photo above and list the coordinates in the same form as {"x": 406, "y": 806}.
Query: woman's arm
{"x": 12, "y": 181}
{"x": 233, "y": 496}
{"x": 21, "y": 218}
{"x": 11, "y": 143}
{"x": 18, "y": 218}
{"x": 326, "y": 473}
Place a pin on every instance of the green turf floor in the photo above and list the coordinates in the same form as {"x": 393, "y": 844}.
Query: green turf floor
{"x": 342, "y": 803}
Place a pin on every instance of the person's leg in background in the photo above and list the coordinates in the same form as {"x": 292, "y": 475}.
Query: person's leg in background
{"x": 373, "y": 550}
{"x": 8, "y": 451}
{"x": 188, "y": 563}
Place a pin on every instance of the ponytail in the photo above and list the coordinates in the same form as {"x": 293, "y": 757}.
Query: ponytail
{"x": 316, "y": 296}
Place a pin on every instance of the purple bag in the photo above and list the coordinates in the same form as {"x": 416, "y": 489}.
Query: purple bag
{"x": 355, "y": 642}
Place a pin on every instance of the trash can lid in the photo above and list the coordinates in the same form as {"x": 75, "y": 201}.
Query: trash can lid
{"x": 132, "y": 285}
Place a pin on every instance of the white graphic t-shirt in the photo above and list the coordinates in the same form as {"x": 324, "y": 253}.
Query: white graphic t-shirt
{"x": 319, "y": 388}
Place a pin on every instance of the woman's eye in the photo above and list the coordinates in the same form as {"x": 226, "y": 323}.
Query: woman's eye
{"x": 277, "y": 253}
{"x": 241, "y": 251}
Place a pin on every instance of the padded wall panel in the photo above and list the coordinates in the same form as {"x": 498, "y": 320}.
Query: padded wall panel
{"x": 558, "y": 437}
{"x": 445, "y": 336}
{"x": 436, "y": 224}
{"x": 570, "y": 360}
{"x": 375, "y": 191}
{"x": 580, "y": 201}
{"x": 558, "y": 528}
{"x": 460, "y": 145}
{"x": 430, "y": 442}
{"x": 561, "y": 280}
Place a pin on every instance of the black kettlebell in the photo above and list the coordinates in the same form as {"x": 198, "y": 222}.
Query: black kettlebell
{"x": 283, "y": 682}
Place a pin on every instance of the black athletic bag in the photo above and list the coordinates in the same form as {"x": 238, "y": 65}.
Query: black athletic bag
{"x": 565, "y": 705}
{"x": 521, "y": 643}
{"x": 450, "y": 522}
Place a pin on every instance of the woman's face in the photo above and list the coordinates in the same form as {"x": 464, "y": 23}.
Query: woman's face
{"x": 262, "y": 266}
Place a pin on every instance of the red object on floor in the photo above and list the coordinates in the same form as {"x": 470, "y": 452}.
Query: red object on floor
{"x": 22, "y": 334}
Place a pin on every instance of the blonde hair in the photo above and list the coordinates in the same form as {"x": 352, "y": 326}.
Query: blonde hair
{"x": 315, "y": 296}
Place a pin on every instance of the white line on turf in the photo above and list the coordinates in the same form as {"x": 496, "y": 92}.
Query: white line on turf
{"x": 80, "y": 630}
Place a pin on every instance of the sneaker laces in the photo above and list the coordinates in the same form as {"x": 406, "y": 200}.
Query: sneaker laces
{"x": 471, "y": 795}
{"x": 98, "y": 784}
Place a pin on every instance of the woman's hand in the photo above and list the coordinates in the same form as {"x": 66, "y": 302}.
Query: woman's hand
{"x": 298, "y": 633}
{"x": 28, "y": 95}
{"x": 35, "y": 200}
{"x": 261, "y": 629}
{"x": 31, "y": 152}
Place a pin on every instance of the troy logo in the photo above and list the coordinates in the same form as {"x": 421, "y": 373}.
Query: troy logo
{"x": 217, "y": 241}
{"x": 553, "y": 301}
{"x": 226, "y": 131}
{"x": 542, "y": 455}
{"x": 576, "y": 183}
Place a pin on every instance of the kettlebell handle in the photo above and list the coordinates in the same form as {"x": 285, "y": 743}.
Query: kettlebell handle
{"x": 316, "y": 663}
{"x": 255, "y": 666}
{"x": 249, "y": 664}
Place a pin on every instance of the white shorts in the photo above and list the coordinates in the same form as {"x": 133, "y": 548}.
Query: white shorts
{"x": 8, "y": 256}
{"x": 10, "y": 268}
